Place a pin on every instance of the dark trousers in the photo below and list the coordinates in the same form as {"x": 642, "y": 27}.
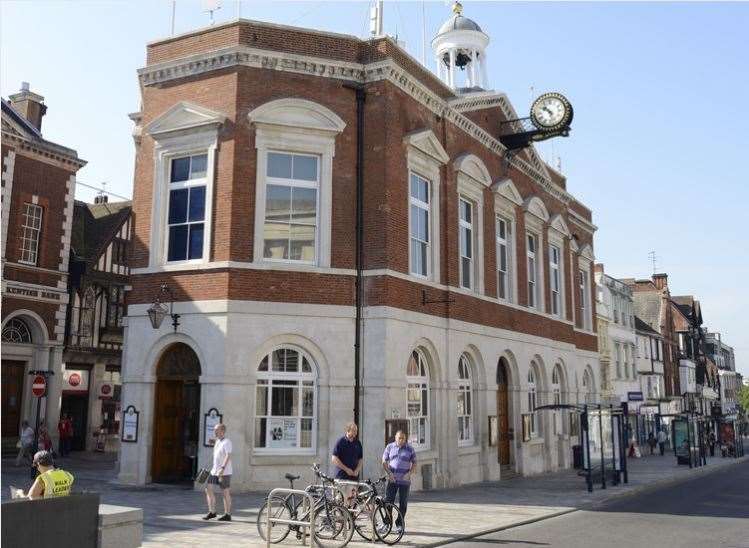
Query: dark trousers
{"x": 662, "y": 446}
{"x": 712, "y": 449}
{"x": 65, "y": 444}
{"x": 402, "y": 490}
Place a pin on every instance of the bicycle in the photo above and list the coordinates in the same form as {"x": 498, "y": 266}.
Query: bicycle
{"x": 331, "y": 519}
{"x": 369, "y": 509}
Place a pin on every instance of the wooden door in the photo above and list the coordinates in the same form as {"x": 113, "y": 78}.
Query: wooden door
{"x": 12, "y": 394}
{"x": 503, "y": 420}
{"x": 167, "y": 433}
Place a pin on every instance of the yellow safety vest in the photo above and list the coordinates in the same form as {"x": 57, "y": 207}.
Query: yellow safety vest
{"x": 57, "y": 483}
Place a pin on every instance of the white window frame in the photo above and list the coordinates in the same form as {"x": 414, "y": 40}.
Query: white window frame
{"x": 507, "y": 243}
{"x": 532, "y": 402}
{"x": 180, "y": 185}
{"x": 31, "y": 230}
{"x": 558, "y": 399}
{"x": 471, "y": 190}
{"x": 469, "y": 254}
{"x": 415, "y": 202}
{"x": 426, "y": 167}
{"x": 294, "y": 183}
{"x": 532, "y": 258}
{"x": 556, "y": 270}
{"x": 419, "y": 383}
{"x": 301, "y": 377}
{"x": 583, "y": 277}
{"x": 618, "y": 353}
{"x": 465, "y": 389}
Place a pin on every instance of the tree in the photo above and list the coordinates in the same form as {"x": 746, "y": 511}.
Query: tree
{"x": 744, "y": 396}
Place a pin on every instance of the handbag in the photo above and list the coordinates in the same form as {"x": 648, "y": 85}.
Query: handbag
{"x": 202, "y": 475}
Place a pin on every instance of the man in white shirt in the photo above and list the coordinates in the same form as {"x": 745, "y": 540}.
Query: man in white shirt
{"x": 26, "y": 447}
{"x": 220, "y": 474}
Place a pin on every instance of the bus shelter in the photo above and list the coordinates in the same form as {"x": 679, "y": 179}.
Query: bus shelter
{"x": 688, "y": 432}
{"x": 602, "y": 441}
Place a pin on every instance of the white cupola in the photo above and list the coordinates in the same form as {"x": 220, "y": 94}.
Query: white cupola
{"x": 460, "y": 47}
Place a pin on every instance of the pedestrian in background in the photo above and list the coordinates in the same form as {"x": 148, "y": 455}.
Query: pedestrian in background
{"x": 651, "y": 442}
{"x": 25, "y": 443}
{"x": 220, "y": 474}
{"x": 662, "y": 441}
{"x": 65, "y": 431}
{"x": 45, "y": 443}
{"x": 398, "y": 460}
{"x": 711, "y": 441}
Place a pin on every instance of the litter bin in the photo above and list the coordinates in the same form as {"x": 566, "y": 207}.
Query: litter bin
{"x": 577, "y": 456}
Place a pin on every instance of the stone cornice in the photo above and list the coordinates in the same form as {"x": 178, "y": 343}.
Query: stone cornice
{"x": 328, "y": 68}
{"x": 43, "y": 151}
{"x": 581, "y": 222}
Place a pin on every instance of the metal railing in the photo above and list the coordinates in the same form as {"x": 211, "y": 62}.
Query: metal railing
{"x": 299, "y": 523}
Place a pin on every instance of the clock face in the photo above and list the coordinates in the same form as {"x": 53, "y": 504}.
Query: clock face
{"x": 551, "y": 111}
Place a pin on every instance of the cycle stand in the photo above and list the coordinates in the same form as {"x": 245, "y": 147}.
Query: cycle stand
{"x": 309, "y": 525}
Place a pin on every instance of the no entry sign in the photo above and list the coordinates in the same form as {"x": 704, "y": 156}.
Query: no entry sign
{"x": 39, "y": 386}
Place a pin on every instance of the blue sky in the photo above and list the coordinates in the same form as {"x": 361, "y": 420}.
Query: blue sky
{"x": 660, "y": 91}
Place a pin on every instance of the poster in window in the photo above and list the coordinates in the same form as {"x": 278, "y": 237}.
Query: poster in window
{"x": 681, "y": 438}
{"x": 527, "y": 422}
{"x": 130, "y": 424}
{"x": 282, "y": 433}
{"x": 211, "y": 420}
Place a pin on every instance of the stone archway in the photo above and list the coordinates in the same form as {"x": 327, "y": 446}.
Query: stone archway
{"x": 504, "y": 417}
{"x": 176, "y": 423}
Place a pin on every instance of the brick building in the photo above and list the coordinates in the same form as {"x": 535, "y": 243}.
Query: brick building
{"x": 38, "y": 187}
{"x": 477, "y": 302}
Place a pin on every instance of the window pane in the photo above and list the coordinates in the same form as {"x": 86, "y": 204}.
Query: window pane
{"x": 465, "y": 265}
{"x": 503, "y": 258}
{"x": 260, "y": 425}
{"x": 466, "y": 242}
{"x": 412, "y": 370}
{"x": 292, "y": 360}
{"x": 424, "y": 403}
{"x": 306, "y": 440}
{"x": 277, "y": 203}
{"x": 419, "y": 188}
{"x": 304, "y": 206}
{"x": 180, "y": 169}
{"x": 177, "y": 243}
{"x": 417, "y": 266}
{"x": 197, "y": 203}
{"x": 198, "y": 166}
{"x": 178, "y": 206}
{"x": 461, "y": 403}
{"x": 276, "y": 238}
{"x": 261, "y": 400}
{"x": 308, "y": 401}
{"x": 468, "y": 402}
{"x": 196, "y": 241}
{"x": 502, "y": 285}
{"x": 306, "y": 368}
{"x": 284, "y": 400}
{"x": 305, "y": 168}
{"x": 423, "y": 217}
{"x": 279, "y": 165}
{"x": 302, "y": 243}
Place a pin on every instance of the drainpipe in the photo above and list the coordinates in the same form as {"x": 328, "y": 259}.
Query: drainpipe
{"x": 360, "y": 97}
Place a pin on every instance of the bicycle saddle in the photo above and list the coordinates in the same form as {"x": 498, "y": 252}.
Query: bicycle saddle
{"x": 292, "y": 477}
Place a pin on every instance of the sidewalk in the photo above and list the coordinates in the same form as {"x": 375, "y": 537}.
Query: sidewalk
{"x": 172, "y": 514}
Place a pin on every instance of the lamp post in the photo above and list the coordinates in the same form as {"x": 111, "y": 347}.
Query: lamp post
{"x": 157, "y": 312}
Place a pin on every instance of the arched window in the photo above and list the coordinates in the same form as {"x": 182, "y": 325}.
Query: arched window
{"x": 465, "y": 401}
{"x": 16, "y": 331}
{"x": 417, "y": 400}
{"x": 556, "y": 390}
{"x": 532, "y": 400}
{"x": 285, "y": 407}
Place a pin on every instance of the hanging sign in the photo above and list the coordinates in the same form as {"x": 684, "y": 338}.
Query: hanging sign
{"x": 210, "y": 421}
{"x": 75, "y": 380}
{"x": 283, "y": 433}
{"x": 634, "y": 396}
{"x": 130, "y": 419}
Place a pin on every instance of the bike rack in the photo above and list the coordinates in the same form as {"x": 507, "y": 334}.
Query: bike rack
{"x": 309, "y": 525}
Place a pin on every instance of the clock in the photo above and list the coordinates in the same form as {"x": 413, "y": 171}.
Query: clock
{"x": 551, "y": 111}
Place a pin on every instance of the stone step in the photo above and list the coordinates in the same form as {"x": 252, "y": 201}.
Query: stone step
{"x": 507, "y": 472}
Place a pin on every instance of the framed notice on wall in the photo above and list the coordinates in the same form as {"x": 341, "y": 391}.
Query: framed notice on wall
{"x": 493, "y": 431}
{"x": 130, "y": 419}
{"x": 210, "y": 421}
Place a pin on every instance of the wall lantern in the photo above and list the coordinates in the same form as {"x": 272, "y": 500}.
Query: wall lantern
{"x": 157, "y": 312}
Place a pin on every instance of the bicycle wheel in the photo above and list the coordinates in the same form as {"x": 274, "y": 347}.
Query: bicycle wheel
{"x": 333, "y": 526}
{"x": 279, "y": 508}
{"x": 363, "y": 513}
{"x": 387, "y": 522}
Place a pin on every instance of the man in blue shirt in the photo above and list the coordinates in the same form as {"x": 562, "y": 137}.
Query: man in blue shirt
{"x": 398, "y": 460}
{"x": 348, "y": 454}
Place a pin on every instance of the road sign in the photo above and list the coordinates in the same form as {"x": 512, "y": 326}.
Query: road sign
{"x": 39, "y": 386}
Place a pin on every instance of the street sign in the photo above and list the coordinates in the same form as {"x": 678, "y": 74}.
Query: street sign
{"x": 39, "y": 386}
{"x": 635, "y": 396}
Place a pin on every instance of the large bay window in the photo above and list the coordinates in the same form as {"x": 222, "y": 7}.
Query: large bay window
{"x": 31, "y": 228}
{"x": 504, "y": 259}
{"x": 533, "y": 292}
{"x": 466, "y": 243}
{"x": 417, "y": 400}
{"x": 465, "y": 401}
{"x": 187, "y": 200}
{"x": 285, "y": 407}
{"x": 291, "y": 197}
{"x": 420, "y": 225}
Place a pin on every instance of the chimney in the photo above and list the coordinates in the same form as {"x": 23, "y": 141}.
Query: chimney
{"x": 101, "y": 199}
{"x": 660, "y": 281}
{"x": 29, "y": 105}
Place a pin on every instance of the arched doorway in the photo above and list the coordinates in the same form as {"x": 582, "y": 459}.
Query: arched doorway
{"x": 176, "y": 415}
{"x": 504, "y": 421}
